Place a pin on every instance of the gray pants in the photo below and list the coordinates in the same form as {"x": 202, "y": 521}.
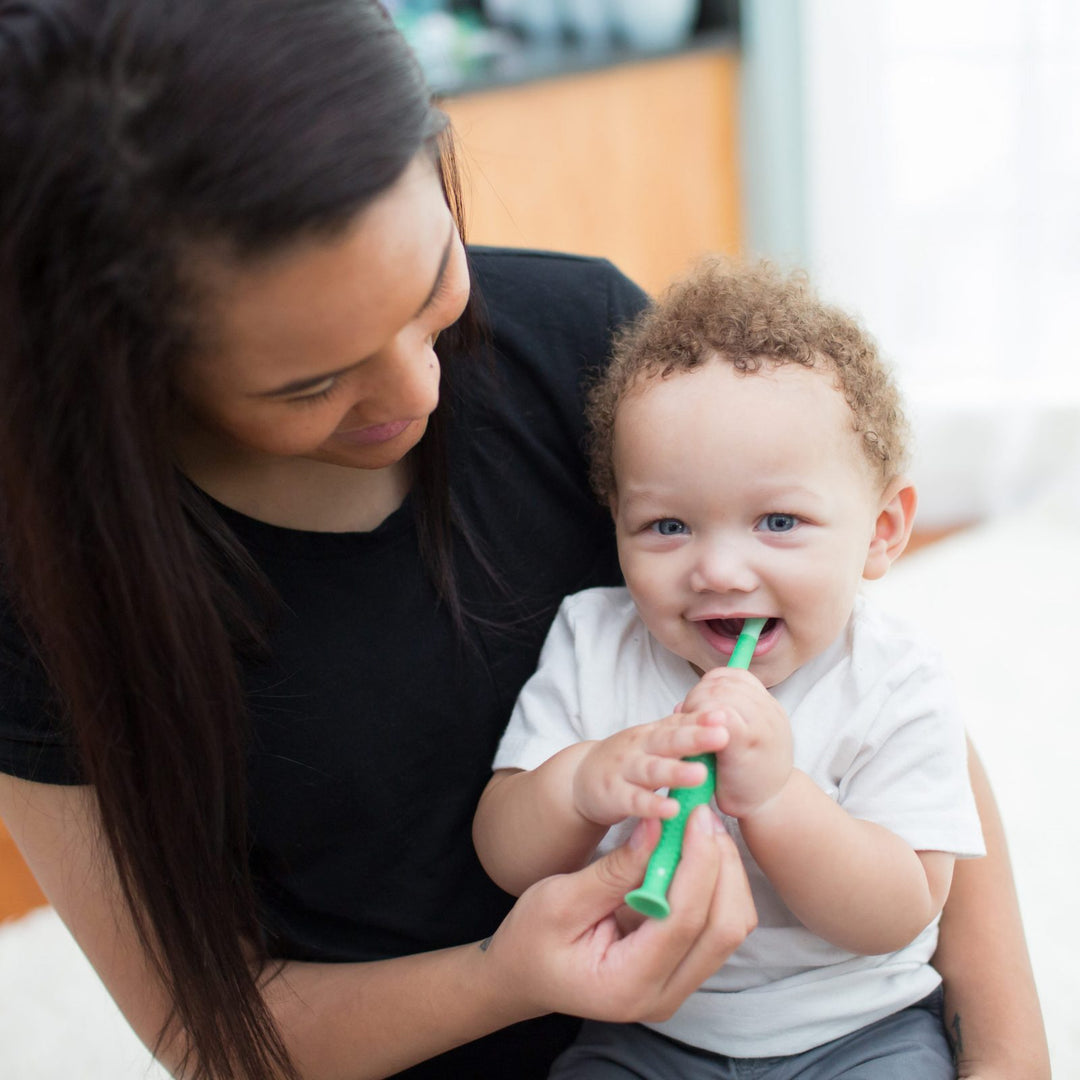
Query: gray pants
{"x": 909, "y": 1045}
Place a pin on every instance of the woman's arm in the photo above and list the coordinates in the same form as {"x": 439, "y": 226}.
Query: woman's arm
{"x": 559, "y": 949}
{"x": 991, "y": 1006}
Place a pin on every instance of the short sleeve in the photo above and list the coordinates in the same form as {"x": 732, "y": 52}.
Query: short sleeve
{"x": 547, "y": 714}
{"x": 911, "y": 774}
{"x": 626, "y": 300}
{"x": 33, "y": 742}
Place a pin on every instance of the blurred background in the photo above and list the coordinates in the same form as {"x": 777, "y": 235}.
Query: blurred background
{"x": 920, "y": 158}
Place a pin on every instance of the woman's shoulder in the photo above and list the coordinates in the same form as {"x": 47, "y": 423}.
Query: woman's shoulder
{"x": 543, "y": 265}
{"x": 554, "y": 290}
{"x": 548, "y": 322}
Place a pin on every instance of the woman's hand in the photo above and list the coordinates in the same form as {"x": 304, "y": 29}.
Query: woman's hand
{"x": 563, "y": 949}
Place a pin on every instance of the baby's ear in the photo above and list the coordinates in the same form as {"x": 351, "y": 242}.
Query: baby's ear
{"x": 892, "y": 529}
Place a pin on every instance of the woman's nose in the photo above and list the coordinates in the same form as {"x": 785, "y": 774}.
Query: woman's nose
{"x": 411, "y": 377}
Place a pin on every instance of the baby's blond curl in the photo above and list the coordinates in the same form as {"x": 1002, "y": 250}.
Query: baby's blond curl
{"x": 750, "y": 315}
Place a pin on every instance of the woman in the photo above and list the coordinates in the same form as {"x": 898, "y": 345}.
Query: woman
{"x": 267, "y": 606}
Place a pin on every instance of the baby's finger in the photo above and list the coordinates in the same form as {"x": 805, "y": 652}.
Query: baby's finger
{"x": 697, "y": 733}
{"x": 719, "y": 684}
{"x": 734, "y": 720}
{"x": 660, "y": 772}
{"x": 633, "y": 795}
{"x": 650, "y": 804}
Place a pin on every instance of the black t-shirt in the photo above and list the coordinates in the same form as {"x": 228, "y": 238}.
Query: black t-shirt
{"x": 375, "y": 724}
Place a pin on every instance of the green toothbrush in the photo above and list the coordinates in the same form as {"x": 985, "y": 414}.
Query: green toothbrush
{"x": 651, "y": 898}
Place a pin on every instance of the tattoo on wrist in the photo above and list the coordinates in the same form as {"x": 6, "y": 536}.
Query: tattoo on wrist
{"x": 484, "y": 944}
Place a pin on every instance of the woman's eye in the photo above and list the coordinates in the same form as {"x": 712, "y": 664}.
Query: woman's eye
{"x": 779, "y": 523}
{"x": 440, "y": 292}
{"x": 669, "y": 527}
{"x": 319, "y": 392}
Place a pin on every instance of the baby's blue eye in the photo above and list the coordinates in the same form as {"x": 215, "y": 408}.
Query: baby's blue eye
{"x": 779, "y": 523}
{"x": 669, "y": 527}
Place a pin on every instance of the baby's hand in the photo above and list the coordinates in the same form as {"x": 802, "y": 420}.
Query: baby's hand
{"x": 619, "y": 775}
{"x": 757, "y": 761}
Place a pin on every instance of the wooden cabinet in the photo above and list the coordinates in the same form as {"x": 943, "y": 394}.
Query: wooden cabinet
{"x": 636, "y": 162}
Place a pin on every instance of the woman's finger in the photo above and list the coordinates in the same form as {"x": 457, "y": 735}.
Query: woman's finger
{"x": 657, "y": 950}
{"x": 731, "y": 918}
{"x": 599, "y": 888}
{"x": 619, "y": 971}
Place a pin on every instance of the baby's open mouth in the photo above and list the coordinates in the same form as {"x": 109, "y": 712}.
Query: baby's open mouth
{"x": 733, "y": 627}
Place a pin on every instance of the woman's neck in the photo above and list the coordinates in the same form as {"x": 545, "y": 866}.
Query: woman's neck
{"x": 313, "y": 496}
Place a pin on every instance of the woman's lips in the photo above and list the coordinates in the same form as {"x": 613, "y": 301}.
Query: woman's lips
{"x": 376, "y": 433}
{"x": 721, "y": 635}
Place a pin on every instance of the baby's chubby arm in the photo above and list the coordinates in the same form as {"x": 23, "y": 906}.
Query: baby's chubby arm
{"x": 852, "y": 882}
{"x": 532, "y": 823}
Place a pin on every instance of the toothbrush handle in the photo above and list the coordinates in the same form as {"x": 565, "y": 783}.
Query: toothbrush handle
{"x": 650, "y": 898}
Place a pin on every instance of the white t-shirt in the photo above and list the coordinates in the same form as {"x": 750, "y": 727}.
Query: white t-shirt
{"x": 874, "y": 725}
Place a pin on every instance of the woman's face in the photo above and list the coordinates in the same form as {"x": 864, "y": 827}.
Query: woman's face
{"x": 324, "y": 350}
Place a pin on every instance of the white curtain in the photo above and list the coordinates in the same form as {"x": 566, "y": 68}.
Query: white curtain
{"x": 941, "y": 190}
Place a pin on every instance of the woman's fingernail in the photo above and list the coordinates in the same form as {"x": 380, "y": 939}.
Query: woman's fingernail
{"x": 706, "y": 822}
{"x": 701, "y": 819}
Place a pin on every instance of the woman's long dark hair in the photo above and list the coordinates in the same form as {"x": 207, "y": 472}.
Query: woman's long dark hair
{"x": 129, "y": 129}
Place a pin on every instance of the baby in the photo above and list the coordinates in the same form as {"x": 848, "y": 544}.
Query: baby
{"x": 751, "y": 446}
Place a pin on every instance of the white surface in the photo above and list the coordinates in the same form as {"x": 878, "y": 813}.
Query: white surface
{"x": 984, "y": 450}
{"x": 56, "y": 1020}
{"x": 942, "y": 164}
{"x": 1001, "y": 601}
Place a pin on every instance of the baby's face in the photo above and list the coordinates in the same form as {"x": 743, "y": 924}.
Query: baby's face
{"x": 739, "y": 496}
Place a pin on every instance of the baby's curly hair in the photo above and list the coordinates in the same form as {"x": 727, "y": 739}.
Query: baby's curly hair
{"x": 750, "y": 315}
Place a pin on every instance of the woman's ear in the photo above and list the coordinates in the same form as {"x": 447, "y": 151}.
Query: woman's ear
{"x": 892, "y": 529}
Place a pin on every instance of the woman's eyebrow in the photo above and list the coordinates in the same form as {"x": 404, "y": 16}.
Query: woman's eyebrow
{"x": 299, "y": 385}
